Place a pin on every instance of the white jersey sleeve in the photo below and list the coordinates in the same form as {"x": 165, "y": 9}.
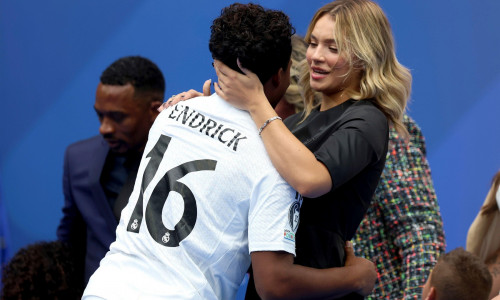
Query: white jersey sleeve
{"x": 274, "y": 215}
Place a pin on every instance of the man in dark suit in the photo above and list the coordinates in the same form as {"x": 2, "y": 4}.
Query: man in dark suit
{"x": 99, "y": 172}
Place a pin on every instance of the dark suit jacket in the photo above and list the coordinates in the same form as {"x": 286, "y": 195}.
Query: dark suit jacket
{"x": 88, "y": 221}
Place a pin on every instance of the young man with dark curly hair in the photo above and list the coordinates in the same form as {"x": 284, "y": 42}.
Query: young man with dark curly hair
{"x": 207, "y": 200}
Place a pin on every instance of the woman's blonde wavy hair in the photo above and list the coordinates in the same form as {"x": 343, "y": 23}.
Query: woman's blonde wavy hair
{"x": 363, "y": 36}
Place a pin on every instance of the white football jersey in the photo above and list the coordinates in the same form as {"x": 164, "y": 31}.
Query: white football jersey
{"x": 206, "y": 195}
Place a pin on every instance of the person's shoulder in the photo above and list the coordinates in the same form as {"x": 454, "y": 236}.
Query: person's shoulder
{"x": 86, "y": 144}
{"x": 213, "y": 99}
{"x": 294, "y": 119}
{"x": 416, "y": 136}
{"x": 218, "y": 104}
{"x": 367, "y": 107}
{"x": 366, "y": 115}
{"x": 212, "y": 104}
{"x": 370, "y": 122}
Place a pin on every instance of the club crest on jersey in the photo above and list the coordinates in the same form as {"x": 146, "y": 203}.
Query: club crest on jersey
{"x": 134, "y": 224}
{"x": 293, "y": 216}
{"x": 166, "y": 237}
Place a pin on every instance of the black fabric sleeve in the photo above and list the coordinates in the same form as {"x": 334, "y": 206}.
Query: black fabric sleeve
{"x": 359, "y": 142}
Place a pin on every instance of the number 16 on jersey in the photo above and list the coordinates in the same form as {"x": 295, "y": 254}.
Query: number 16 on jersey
{"x": 169, "y": 182}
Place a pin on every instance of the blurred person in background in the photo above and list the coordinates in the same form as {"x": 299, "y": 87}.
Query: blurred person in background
{"x": 483, "y": 237}
{"x": 99, "y": 172}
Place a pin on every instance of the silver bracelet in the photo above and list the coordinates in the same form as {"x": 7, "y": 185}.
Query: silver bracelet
{"x": 267, "y": 122}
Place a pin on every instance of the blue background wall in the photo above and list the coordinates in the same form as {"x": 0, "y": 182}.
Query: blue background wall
{"x": 53, "y": 52}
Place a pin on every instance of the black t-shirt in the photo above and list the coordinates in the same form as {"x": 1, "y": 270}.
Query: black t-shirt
{"x": 351, "y": 140}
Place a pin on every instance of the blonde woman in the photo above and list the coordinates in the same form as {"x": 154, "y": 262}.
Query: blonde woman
{"x": 335, "y": 150}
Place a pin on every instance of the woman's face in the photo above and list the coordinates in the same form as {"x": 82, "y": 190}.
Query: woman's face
{"x": 327, "y": 68}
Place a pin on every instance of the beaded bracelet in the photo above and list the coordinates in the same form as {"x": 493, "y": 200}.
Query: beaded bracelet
{"x": 267, "y": 122}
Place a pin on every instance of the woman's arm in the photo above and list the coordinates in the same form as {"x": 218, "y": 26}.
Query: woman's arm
{"x": 298, "y": 166}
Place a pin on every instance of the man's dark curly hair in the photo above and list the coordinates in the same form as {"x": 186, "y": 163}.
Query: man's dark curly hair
{"x": 143, "y": 74}
{"x": 260, "y": 38}
{"x": 43, "y": 270}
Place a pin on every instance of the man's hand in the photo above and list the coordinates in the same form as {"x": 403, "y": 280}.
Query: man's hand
{"x": 365, "y": 268}
{"x": 186, "y": 96}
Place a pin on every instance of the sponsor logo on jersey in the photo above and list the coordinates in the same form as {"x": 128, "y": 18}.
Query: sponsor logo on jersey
{"x": 289, "y": 235}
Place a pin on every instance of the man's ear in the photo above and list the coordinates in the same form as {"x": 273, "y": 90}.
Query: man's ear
{"x": 153, "y": 108}
{"x": 277, "y": 77}
{"x": 432, "y": 294}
